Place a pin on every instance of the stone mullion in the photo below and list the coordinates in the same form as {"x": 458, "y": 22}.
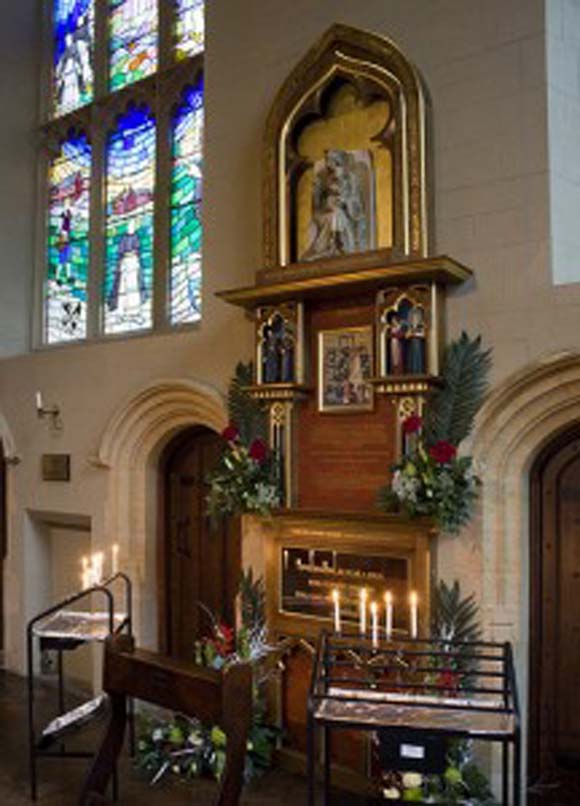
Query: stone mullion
{"x": 97, "y": 230}
{"x": 161, "y": 243}
{"x": 101, "y": 57}
{"x": 166, "y": 33}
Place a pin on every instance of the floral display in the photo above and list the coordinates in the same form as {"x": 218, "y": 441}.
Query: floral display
{"x": 436, "y": 483}
{"x": 246, "y": 479}
{"x": 187, "y": 748}
{"x": 433, "y": 479}
{"x": 461, "y": 784}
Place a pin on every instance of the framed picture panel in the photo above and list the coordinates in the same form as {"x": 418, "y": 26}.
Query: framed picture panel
{"x": 345, "y": 366}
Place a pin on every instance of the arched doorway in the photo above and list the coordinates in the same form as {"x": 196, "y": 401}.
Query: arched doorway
{"x": 554, "y": 735}
{"x": 3, "y": 538}
{"x": 199, "y": 561}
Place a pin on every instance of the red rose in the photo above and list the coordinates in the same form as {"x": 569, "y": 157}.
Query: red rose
{"x": 231, "y": 433}
{"x": 412, "y": 424}
{"x": 449, "y": 680}
{"x": 258, "y": 450}
{"x": 443, "y": 452}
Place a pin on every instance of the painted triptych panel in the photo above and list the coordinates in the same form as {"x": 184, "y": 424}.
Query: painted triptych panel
{"x": 73, "y": 46}
{"x": 65, "y": 305}
{"x": 133, "y": 41}
{"x": 190, "y": 27}
{"x": 186, "y": 200}
{"x": 128, "y": 282}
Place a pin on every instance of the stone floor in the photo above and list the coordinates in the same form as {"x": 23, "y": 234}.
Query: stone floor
{"x": 60, "y": 781}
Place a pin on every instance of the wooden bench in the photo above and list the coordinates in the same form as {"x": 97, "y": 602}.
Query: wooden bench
{"x": 220, "y": 698}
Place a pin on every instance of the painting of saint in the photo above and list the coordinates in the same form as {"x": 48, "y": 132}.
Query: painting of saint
{"x": 343, "y": 215}
{"x": 345, "y": 367}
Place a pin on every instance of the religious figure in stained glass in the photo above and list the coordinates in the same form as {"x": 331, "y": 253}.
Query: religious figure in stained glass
{"x": 73, "y": 54}
{"x": 130, "y": 191}
{"x": 342, "y": 205}
{"x": 190, "y": 27}
{"x": 186, "y": 200}
{"x": 133, "y": 41}
{"x": 68, "y": 240}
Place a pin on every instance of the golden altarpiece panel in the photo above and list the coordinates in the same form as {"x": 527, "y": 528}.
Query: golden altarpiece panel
{"x": 349, "y": 313}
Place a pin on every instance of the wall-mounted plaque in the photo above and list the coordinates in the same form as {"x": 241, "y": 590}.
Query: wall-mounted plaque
{"x": 310, "y": 575}
{"x": 56, "y": 467}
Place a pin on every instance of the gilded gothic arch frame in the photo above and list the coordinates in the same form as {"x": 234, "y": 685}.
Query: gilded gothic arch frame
{"x": 366, "y": 60}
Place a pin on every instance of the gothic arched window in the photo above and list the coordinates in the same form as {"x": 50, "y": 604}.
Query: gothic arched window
{"x": 124, "y": 168}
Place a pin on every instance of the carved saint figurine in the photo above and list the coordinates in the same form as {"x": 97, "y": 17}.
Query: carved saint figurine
{"x": 341, "y": 203}
{"x": 416, "y": 353}
{"x": 396, "y": 333}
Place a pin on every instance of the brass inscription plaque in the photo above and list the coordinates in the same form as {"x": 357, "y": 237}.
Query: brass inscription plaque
{"x": 309, "y": 576}
{"x": 56, "y": 467}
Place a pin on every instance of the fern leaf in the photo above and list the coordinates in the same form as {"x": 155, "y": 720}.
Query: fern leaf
{"x": 245, "y": 412}
{"x": 452, "y": 409}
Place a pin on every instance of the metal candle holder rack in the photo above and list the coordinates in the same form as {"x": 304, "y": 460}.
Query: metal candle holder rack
{"x": 406, "y": 694}
{"x": 62, "y": 630}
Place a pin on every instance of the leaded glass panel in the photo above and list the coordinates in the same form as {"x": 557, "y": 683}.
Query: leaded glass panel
{"x": 73, "y": 44}
{"x": 65, "y": 305}
{"x": 186, "y": 199}
{"x": 190, "y": 27}
{"x": 133, "y": 41}
{"x": 128, "y": 284}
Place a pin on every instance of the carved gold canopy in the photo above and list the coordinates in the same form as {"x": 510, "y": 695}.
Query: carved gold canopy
{"x": 353, "y": 89}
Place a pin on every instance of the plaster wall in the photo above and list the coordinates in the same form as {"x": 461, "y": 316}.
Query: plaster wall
{"x": 484, "y": 62}
{"x": 19, "y": 49}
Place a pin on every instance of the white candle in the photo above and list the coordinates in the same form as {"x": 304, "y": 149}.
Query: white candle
{"x": 389, "y": 615}
{"x": 414, "y": 608}
{"x": 115, "y": 558}
{"x": 336, "y": 601}
{"x": 375, "y": 624}
{"x": 363, "y": 611}
{"x": 39, "y": 405}
{"x": 85, "y": 575}
{"x": 97, "y": 565}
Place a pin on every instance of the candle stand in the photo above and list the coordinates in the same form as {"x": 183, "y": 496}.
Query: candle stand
{"x": 62, "y": 628}
{"x": 414, "y": 694}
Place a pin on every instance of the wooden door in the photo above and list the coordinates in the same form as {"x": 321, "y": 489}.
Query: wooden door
{"x": 555, "y": 635}
{"x": 201, "y": 561}
{"x": 3, "y": 538}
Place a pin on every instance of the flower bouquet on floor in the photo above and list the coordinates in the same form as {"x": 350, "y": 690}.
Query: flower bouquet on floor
{"x": 433, "y": 479}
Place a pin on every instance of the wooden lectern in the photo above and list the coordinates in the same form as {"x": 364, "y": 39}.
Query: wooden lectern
{"x": 223, "y": 698}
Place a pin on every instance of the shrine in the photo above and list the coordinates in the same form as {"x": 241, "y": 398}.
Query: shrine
{"x": 290, "y": 403}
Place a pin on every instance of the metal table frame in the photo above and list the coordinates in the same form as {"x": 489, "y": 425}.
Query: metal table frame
{"x": 379, "y": 695}
{"x": 62, "y": 643}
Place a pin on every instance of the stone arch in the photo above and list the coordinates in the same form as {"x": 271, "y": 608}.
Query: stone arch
{"x": 129, "y": 451}
{"x": 521, "y": 416}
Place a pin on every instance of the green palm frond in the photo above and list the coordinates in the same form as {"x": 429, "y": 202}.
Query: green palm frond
{"x": 454, "y": 618}
{"x": 452, "y": 408}
{"x": 245, "y": 412}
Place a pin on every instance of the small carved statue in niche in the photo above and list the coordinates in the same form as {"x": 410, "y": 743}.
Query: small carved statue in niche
{"x": 396, "y": 334}
{"x": 415, "y": 363}
{"x": 278, "y": 352}
{"x": 404, "y": 338}
{"x": 342, "y": 205}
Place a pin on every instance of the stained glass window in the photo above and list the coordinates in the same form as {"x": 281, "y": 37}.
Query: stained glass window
{"x": 68, "y": 241}
{"x": 133, "y": 41}
{"x": 128, "y": 284}
{"x": 186, "y": 198}
{"x": 190, "y": 27}
{"x": 73, "y": 54}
